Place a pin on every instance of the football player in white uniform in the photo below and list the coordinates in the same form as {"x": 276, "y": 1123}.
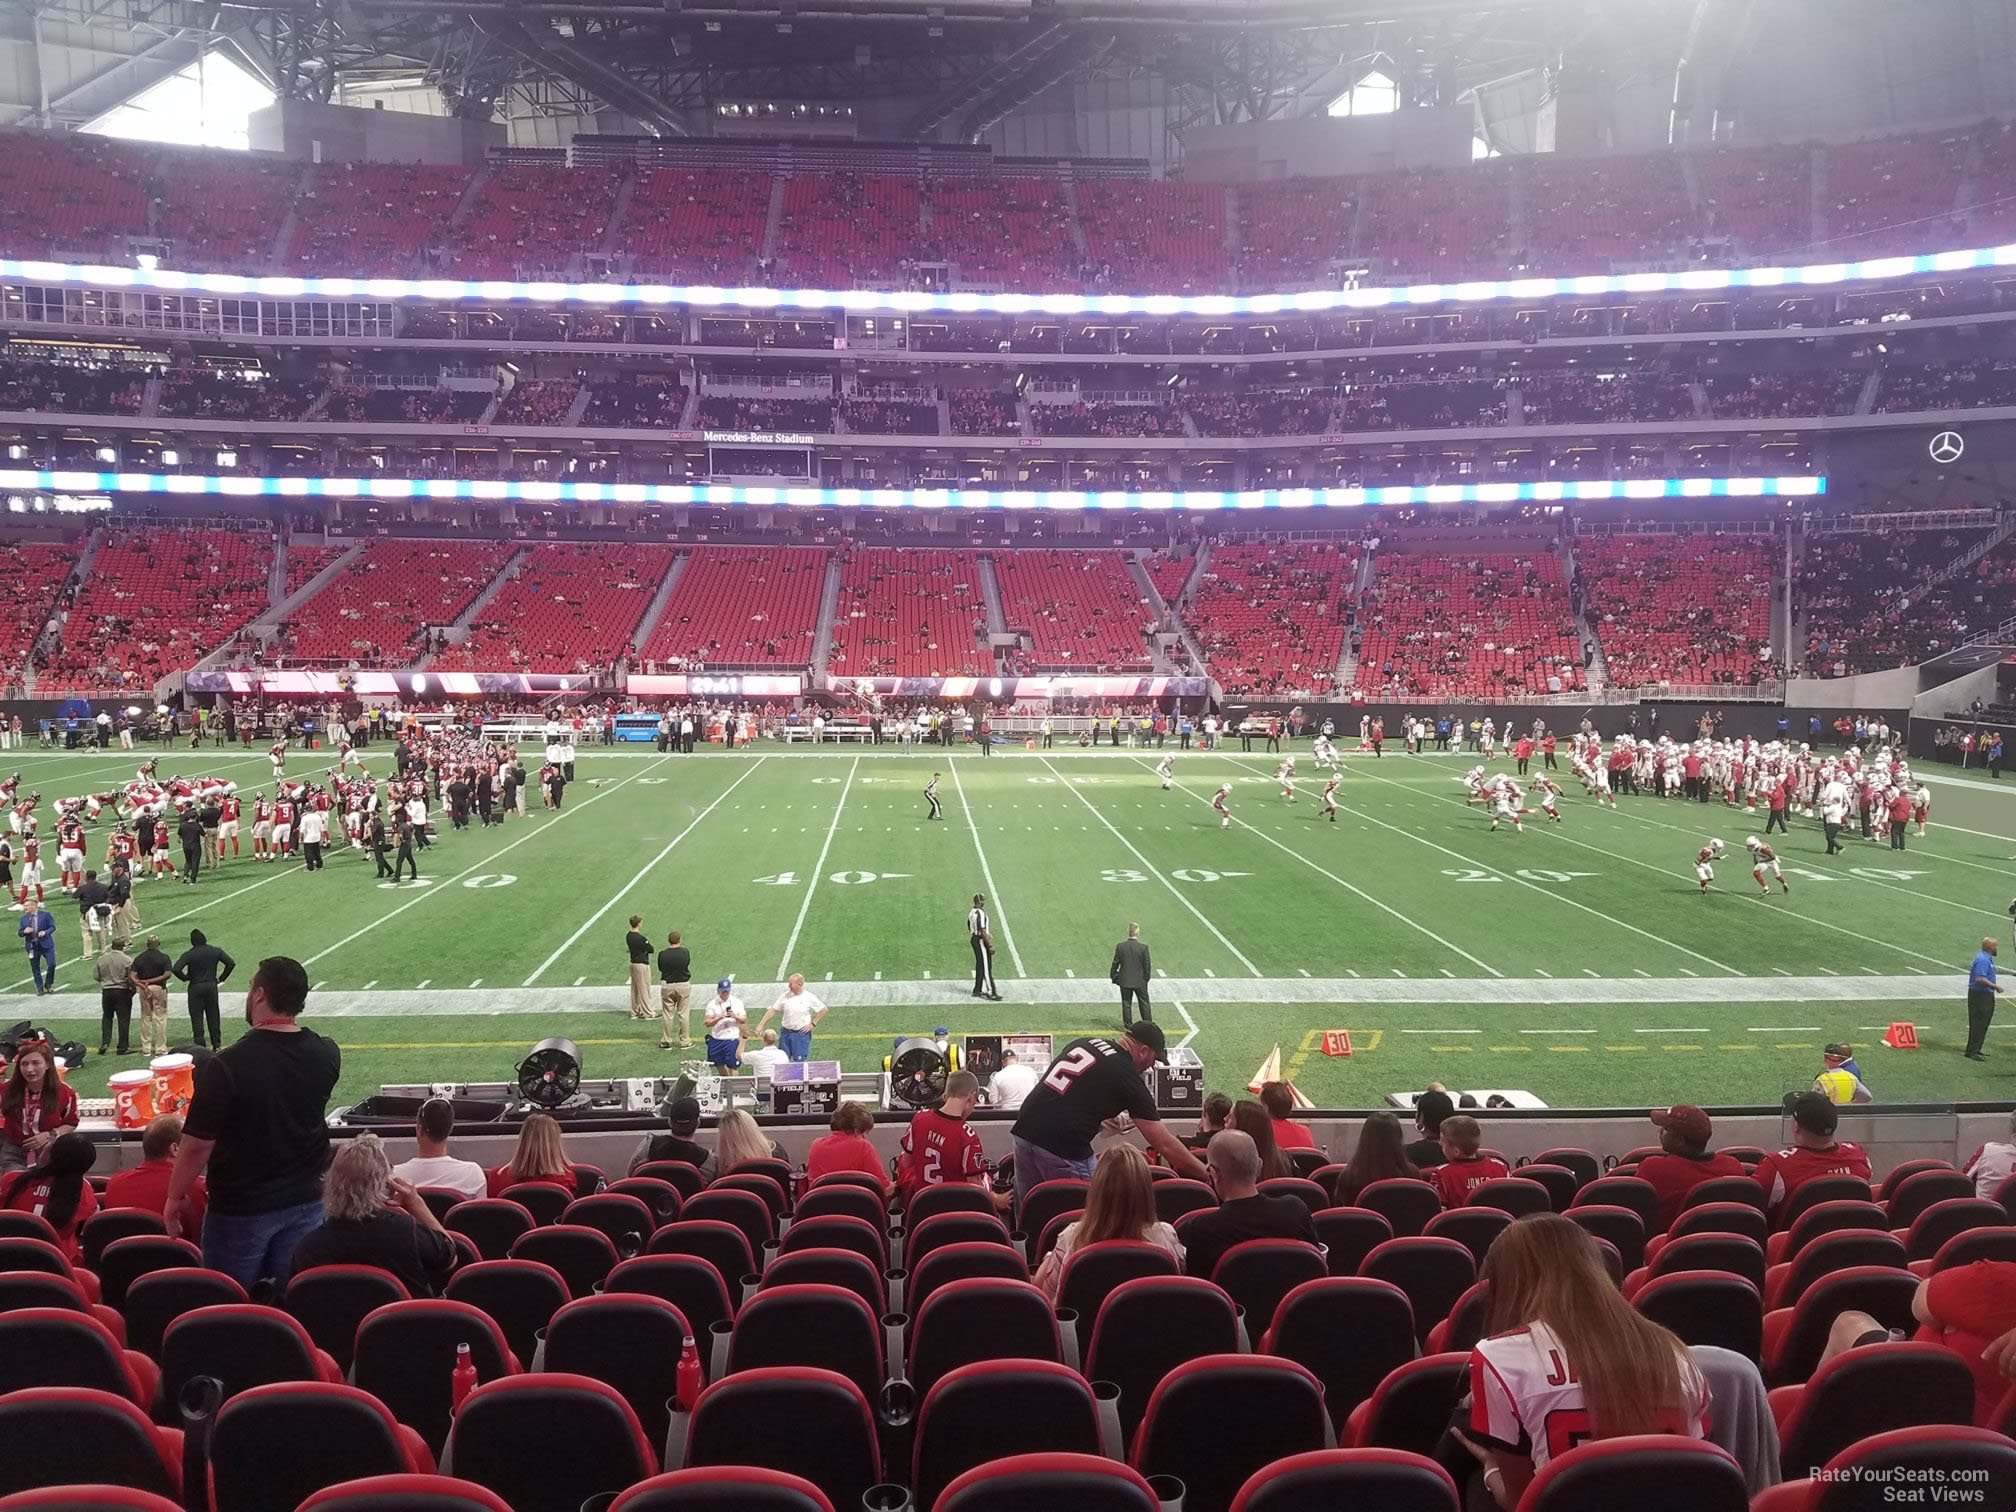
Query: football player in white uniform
{"x": 1764, "y": 859}
{"x": 1704, "y": 862}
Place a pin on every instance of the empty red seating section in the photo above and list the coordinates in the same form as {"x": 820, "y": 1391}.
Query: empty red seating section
{"x": 1269, "y": 616}
{"x": 702, "y": 224}
{"x": 908, "y": 613}
{"x": 156, "y": 601}
{"x": 1441, "y": 223}
{"x": 531, "y": 219}
{"x": 843, "y": 228}
{"x": 742, "y": 606}
{"x": 1009, "y": 233}
{"x": 305, "y": 561}
{"x": 1081, "y": 609}
{"x": 1760, "y": 196}
{"x": 1681, "y": 609}
{"x": 1587, "y": 214}
{"x": 32, "y": 575}
{"x": 381, "y": 599}
{"x": 1292, "y": 230}
{"x": 1162, "y": 236}
{"x": 221, "y": 211}
{"x": 1894, "y": 194}
{"x": 569, "y": 609}
{"x": 373, "y": 218}
{"x": 62, "y": 192}
{"x": 1466, "y": 626}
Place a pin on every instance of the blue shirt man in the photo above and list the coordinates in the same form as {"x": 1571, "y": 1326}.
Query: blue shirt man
{"x": 1982, "y": 988}
{"x": 38, "y": 937}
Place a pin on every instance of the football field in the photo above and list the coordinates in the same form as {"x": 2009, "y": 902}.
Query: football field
{"x": 1577, "y": 961}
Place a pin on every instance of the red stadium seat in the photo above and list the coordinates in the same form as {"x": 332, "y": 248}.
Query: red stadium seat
{"x": 1214, "y": 1421}
{"x": 546, "y": 1443}
{"x": 332, "y": 1433}
{"x": 832, "y": 1442}
{"x": 1349, "y": 1332}
{"x": 406, "y": 1352}
{"x": 1323, "y": 1479}
{"x": 1651, "y": 1472}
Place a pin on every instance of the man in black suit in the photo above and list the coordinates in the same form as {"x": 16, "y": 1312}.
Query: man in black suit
{"x": 1243, "y": 1212}
{"x": 1130, "y": 974}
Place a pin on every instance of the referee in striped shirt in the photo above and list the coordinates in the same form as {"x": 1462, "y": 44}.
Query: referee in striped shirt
{"x": 983, "y": 950}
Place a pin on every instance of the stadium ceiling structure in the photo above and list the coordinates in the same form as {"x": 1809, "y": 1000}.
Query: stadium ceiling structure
{"x": 941, "y": 70}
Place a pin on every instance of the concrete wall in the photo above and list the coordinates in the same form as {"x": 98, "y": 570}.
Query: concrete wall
{"x": 1320, "y": 146}
{"x": 342, "y": 133}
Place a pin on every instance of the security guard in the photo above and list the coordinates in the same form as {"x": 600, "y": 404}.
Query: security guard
{"x": 983, "y": 950}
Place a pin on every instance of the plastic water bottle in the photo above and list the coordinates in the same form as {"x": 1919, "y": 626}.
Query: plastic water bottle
{"x": 686, "y": 1383}
{"x": 463, "y": 1381}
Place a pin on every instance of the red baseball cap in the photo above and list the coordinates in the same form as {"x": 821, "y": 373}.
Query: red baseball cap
{"x": 1686, "y": 1120}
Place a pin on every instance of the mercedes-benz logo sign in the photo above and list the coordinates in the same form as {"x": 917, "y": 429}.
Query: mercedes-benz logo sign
{"x": 1948, "y": 446}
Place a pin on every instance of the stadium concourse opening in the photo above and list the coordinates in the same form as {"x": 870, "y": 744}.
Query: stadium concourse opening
{"x": 862, "y": 759}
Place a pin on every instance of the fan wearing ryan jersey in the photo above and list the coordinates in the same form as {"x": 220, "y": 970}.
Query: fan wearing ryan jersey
{"x": 1463, "y": 1168}
{"x": 1813, "y": 1153}
{"x": 1091, "y": 1080}
{"x": 1566, "y": 1359}
{"x": 940, "y": 1147}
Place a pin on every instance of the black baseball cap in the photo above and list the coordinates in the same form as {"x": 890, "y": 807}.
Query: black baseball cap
{"x": 1816, "y": 1114}
{"x": 1149, "y": 1033}
{"x": 682, "y": 1114}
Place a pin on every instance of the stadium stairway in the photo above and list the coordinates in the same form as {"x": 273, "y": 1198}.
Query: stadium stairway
{"x": 1076, "y": 225}
{"x": 1347, "y": 653}
{"x": 1817, "y": 177}
{"x": 773, "y": 220}
{"x": 1596, "y": 670}
{"x": 619, "y": 213}
{"x": 150, "y": 397}
{"x": 459, "y": 631}
{"x": 1865, "y": 402}
{"x": 655, "y": 610}
{"x": 829, "y": 611}
{"x": 990, "y": 595}
{"x": 276, "y": 575}
{"x": 581, "y": 397}
{"x": 471, "y": 193}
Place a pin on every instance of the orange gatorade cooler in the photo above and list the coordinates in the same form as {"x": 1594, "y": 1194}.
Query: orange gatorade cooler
{"x": 174, "y": 1078}
{"x": 132, "y": 1099}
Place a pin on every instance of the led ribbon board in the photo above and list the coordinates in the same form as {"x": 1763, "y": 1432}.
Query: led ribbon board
{"x": 707, "y": 494}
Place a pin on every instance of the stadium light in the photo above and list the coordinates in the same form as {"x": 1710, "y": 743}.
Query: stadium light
{"x": 916, "y": 301}
{"x": 1588, "y": 490}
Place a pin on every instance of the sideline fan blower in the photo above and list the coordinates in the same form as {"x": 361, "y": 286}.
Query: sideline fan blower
{"x": 550, "y": 1077}
{"x": 918, "y": 1067}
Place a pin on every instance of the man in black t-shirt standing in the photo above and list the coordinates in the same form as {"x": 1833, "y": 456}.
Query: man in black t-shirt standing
{"x": 257, "y": 1121}
{"x": 1092, "y": 1080}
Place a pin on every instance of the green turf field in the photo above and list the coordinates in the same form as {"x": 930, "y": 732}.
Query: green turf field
{"x": 1576, "y": 961}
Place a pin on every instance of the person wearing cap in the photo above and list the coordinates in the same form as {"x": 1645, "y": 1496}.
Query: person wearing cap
{"x": 1982, "y": 990}
{"x": 1430, "y": 1108}
{"x": 682, "y": 1122}
{"x": 1813, "y": 1153}
{"x": 1841, "y": 1080}
{"x": 1684, "y": 1160}
{"x": 727, "y": 1026}
{"x": 1092, "y": 1079}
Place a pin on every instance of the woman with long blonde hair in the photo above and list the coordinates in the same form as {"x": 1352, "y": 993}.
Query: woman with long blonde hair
{"x": 1120, "y": 1204}
{"x": 736, "y": 1139}
{"x": 1566, "y": 1358}
{"x": 541, "y": 1156}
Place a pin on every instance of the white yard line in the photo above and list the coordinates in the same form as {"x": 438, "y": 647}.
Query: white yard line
{"x": 1189, "y": 1024}
{"x": 642, "y": 872}
{"x": 481, "y": 865}
{"x": 818, "y": 867}
{"x": 1534, "y": 886}
{"x": 1626, "y": 993}
{"x": 1386, "y": 908}
{"x": 1174, "y": 891}
{"x": 987, "y": 875}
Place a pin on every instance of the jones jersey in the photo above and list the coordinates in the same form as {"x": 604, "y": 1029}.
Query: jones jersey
{"x": 1525, "y": 1398}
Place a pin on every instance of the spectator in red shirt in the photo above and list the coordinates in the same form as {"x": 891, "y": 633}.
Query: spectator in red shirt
{"x": 1970, "y": 1309}
{"x": 56, "y": 1189}
{"x": 1684, "y": 1161}
{"x": 1463, "y": 1170}
{"x": 847, "y": 1148}
{"x": 36, "y": 1107}
{"x": 940, "y": 1147}
{"x": 1279, "y": 1103}
{"x": 146, "y": 1185}
{"x": 541, "y": 1156}
{"x": 1813, "y": 1153}
{"x": 1900, "y": 816}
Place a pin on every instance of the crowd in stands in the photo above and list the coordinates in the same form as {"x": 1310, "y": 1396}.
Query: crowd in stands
{"x": 355, "y": 403}
{"x": 728, "y": 412}
{"x": 373, "y": 219}
{"x": 1439, "y": 222}
{"x": 1975, "y": 384}
{"x": 867, "y": 415}
{"x": 1293, "y": 230}
{"x": 1270, "y": 615}
{"x": 1167, "y": 236}
{"x": 157, "y": 600}
{"x": 1681, "y": 609}
{"x": 1605, "y": 213}
{"x": 1556, "y": 396}
{"x": 538, "y": 401}
{"x": 843, "y": 229}
{"x": 568, "y": 608}
{"x": 374, "y": 610}
{"x": 1895, "y": 194}
{"x": 529, "y": 219}
{"x": 1455, "y": 626}
{"x": 1852, "y": 586}
{"x": 983, "y": 412}
{"x": 207, "y": 393}
{"x": 1977, "y": 600}
{"x": 1770, "y": 396}
{"x": 64, "y": 191}
{"x": 739, "y": 606}
{"x": 909, "y": 613}
{"x": 1012, "y": 234}
{"x": 222, "y": 211}
{"x": 1100, "y": 417}
{"x": 703, "y": 225}
{"x": 1759, "y": 197}
{"x": 1081, "y": 609}
{"x": 636, "y": 401}
{"x": 1170, "y": 569}
{"x": 1279, "y": 412}
{"x": 34, "y": 582}
{"x": 68, "y": 388}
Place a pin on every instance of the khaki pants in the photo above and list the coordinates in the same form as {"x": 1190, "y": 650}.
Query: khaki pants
{"x": 640, "y": 990}
{"x": 153, "y": 1020}
{"x": 676, "y": 997}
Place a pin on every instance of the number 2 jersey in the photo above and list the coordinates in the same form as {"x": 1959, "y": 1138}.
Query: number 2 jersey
{"x": 937, "y": 1150}
{"x": 1091, "y": 1080}
{"x": 1525, "y": 1398}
